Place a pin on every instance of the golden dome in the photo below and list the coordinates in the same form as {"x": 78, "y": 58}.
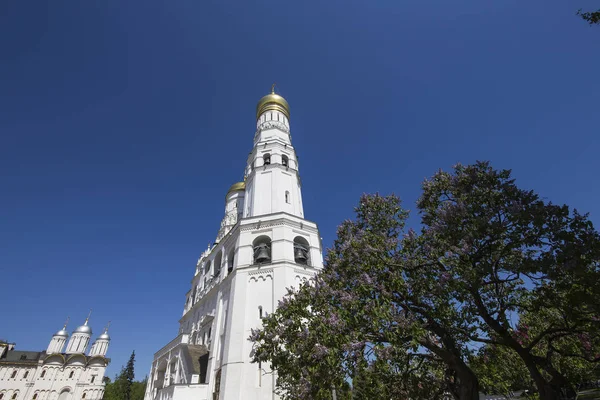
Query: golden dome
{"x": 236, "y": 187}
{"x": 273, "y": 101}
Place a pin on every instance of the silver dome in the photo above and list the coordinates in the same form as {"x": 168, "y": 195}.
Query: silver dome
{"x": 104, "y": 336}
{"x": 83, "y": 329}
{"x": 62, "y": 332}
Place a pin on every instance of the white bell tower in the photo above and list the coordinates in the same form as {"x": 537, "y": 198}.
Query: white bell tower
{"x": 264, "y": 246}
{"x": 277, "y": 248}
{"x": 273, "y": 182}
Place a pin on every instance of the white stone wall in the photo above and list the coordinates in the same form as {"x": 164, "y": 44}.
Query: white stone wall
{"x": 57, "y": 343}
{"x": 99, "y": 348}
{"x": 51, "y": 377}
{"x": 78, "y": 343}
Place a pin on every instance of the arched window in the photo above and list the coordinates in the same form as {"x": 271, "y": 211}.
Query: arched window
{"x": 230, "y": 260}
{"x": 207, "y": 267}
{"x": 25, "y": 374}
{"x": 287, "y": 197}
{"x": 14, "y": 396}
{"x": 260, "y": 312}
{"x": 43, "y": 374}
{"x": 71, "y": 374}
{"x": 217, "y": 263}
{"x": 267, "y": 159}
{"x": 34, "y": 396}
{"x": 301, "y": 251}
{"x": 193, "y": 298}
{"x": 83, "y": 395}
{"x": 14, "y": 374}
{"x": 285, "y": 160}
{"x": 262, "y": 250}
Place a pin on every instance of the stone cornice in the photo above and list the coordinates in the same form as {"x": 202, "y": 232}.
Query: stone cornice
{"x": 260, "y": 224}
{"x": 312, "y": 272}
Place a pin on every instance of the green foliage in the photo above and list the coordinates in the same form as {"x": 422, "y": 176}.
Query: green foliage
{"x": 405, "y": 314}
{"x": 592, "y": 17}
{"x": 124, "y": 387}
{"x": 500, "y": 370}
{"x": 503, "y": 252}
{"x": 351, "y": 323}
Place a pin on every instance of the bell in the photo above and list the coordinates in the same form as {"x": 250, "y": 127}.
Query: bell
{"x": 261, "y": 254}
{"x": 300, "y": 256}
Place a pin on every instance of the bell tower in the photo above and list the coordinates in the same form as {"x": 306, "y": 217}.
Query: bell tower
{"x": 272, "y": 177}
{"x": 263, "y": 246}
{"x": 277, "y": 248}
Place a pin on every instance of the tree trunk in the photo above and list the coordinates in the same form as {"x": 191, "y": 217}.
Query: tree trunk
{"x": 468, "y": 388}
{"x": 552, "y": 390}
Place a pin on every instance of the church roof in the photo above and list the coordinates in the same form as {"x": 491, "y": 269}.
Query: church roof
{"x": 32, "y": 357}
{"x": 274, "y": 102}
{"x": 16, "y": 356}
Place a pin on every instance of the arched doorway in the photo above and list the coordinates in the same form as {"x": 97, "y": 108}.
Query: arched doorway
{"x": 65, "y": 395}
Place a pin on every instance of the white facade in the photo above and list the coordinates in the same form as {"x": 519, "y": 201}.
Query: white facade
{"x": 54, "y": 374}
{"x": 264, "y": 246}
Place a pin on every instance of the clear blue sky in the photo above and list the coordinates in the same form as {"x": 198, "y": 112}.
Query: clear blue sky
{"x": 123, "y": 123}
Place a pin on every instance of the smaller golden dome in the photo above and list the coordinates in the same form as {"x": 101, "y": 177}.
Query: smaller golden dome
{"x": 236, "y": 187}
{"x": 274, "y": 102}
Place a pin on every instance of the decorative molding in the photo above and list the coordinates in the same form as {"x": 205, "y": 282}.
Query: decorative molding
{"x": 303, "y": 272}
{"x": 272, "y": 125}
{"x": 260, "y": 278}
{"x": 262, "y": 225}
{"x": 278, "y": 222}
{"x": 261, "y": 272}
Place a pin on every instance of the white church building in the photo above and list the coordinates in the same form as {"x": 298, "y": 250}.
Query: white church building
{"x": 264, "y": 245}
{"x": 57, "y": 373}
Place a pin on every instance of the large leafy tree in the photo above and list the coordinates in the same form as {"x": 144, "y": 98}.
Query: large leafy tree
{"x": 360, "y": 321}
{"x": 410, "y": 311}
{"x": 502, "y": 252}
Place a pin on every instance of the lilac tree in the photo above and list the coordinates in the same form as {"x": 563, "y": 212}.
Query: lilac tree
{"x": 504, "y": 252}
{"x": 409, "y": 311}
{"x": 349, "y": 324}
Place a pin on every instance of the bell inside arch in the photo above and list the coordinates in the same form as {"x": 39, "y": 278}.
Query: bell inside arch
{"x": 300, "y": 254}
{"x": 262, "y": 253}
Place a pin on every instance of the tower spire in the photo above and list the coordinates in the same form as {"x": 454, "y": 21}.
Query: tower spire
{"x": 106, "y": 327}
{"x": 88, "y": 317}
{"x": 273, "y": 88}
{"x": 65, "y": 325}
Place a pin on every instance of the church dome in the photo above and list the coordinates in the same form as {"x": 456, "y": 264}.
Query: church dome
{"x": 83, "y": 329}
{"x": 62, "y": 332}
{"x": 272, "y": 102}
{"x": 104, "y": 336}
{"x": 236, "y": 187}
